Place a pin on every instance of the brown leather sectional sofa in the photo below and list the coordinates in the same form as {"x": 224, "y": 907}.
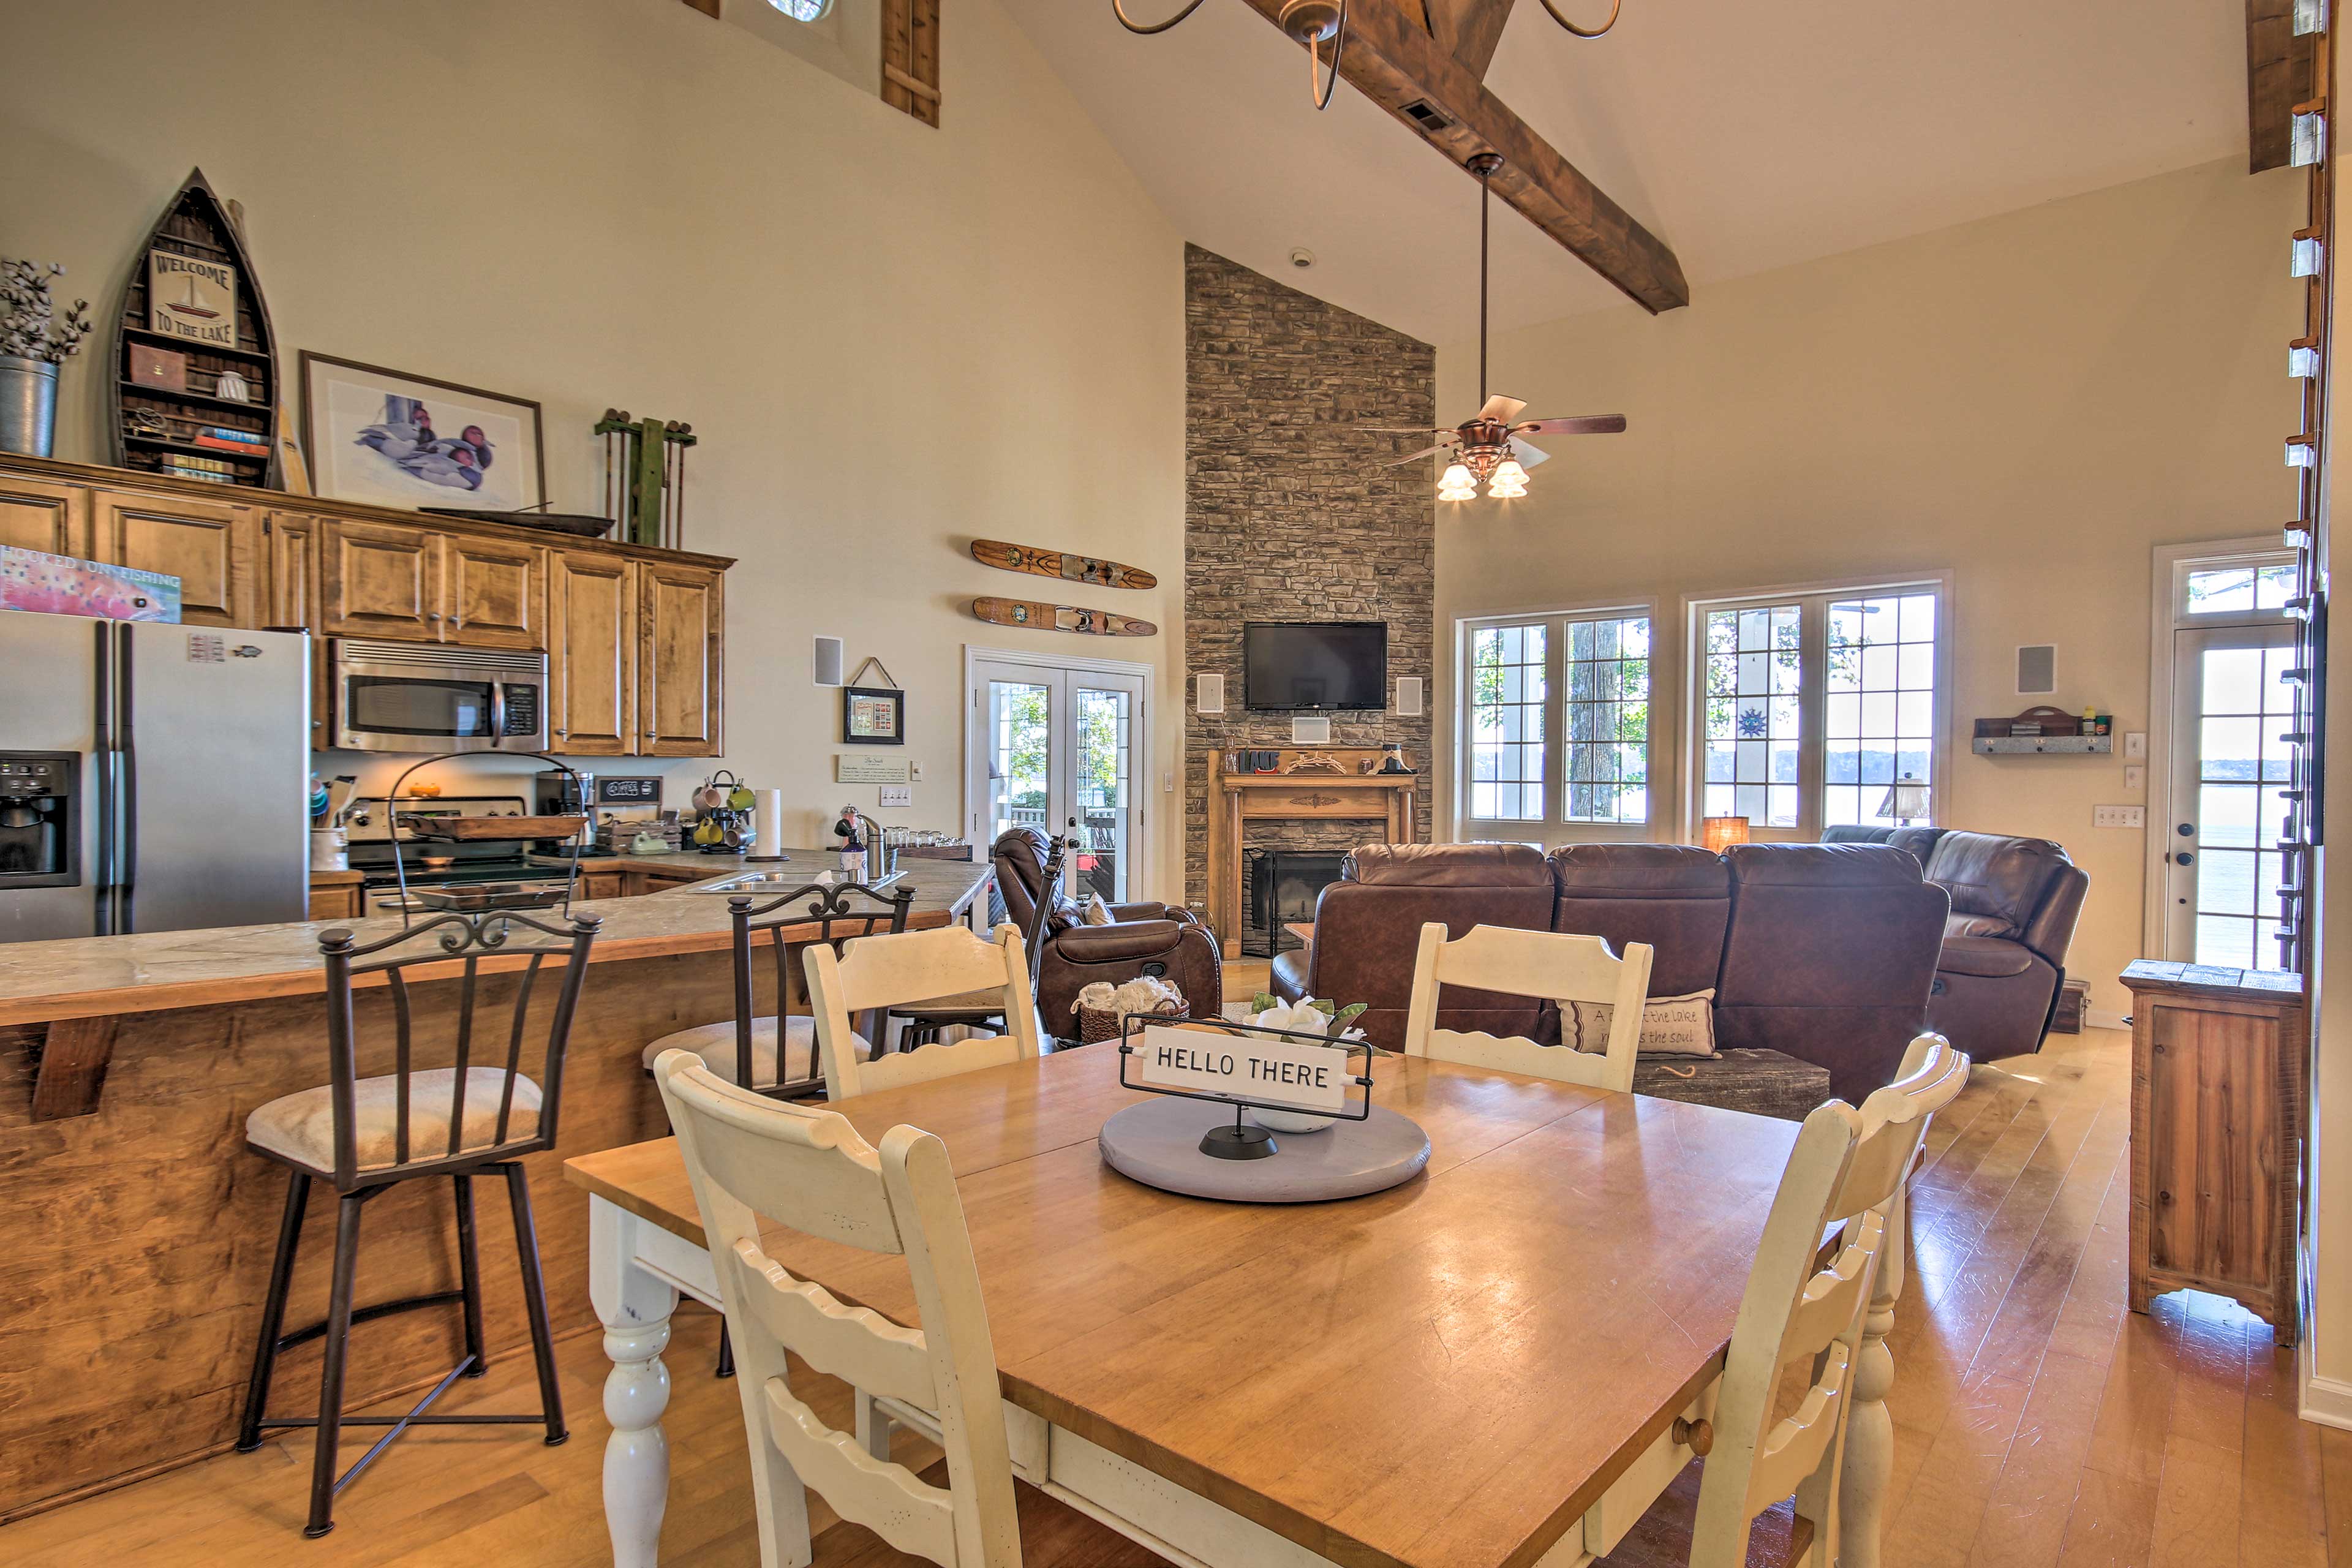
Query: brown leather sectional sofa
{"x": 1824, "y": 952}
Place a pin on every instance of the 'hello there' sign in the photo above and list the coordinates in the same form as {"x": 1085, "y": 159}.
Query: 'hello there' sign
{"x": 1254, "y": 1069}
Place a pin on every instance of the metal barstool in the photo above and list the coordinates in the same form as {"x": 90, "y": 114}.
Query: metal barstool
{"x": 367, "y": 1134}
{"x": 759, "y": 1053}
{"x": 928, "y": 1021}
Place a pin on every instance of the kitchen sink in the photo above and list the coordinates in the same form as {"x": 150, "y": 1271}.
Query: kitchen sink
{"x": 754, "y": 883}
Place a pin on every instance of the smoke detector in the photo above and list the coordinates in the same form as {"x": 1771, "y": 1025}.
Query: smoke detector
{"x": 1302, "y": 258}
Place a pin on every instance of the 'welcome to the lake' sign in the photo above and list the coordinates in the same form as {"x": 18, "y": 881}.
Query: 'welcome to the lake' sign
{"x": 1251, "y": 1068}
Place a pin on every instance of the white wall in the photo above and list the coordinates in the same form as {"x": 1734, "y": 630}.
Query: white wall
{"x": 889, "y": 339}
{"x": 2031, "y": 402}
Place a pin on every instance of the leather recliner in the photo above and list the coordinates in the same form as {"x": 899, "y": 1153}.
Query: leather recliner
{"x": 2015, "y": 902}
{"x": 1142, "y": 938}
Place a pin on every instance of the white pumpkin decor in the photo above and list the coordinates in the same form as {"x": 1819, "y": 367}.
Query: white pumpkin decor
{"x": 1306, "y": 1017}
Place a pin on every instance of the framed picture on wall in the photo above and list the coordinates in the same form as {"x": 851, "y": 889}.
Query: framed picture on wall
{"x": 873, "y": 716}
{"x": 397, "y": 439}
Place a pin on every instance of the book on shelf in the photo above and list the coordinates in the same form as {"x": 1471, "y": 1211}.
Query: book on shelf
{"x": 217, "y": 445}
{"x": 228, "y": 433}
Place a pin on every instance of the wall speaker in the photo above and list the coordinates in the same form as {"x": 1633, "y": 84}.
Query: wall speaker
{"x": 827, "y": 663}
{"x": 1309, "y": 732}
{"x": 1408, "y": 698}
{"x": 1208, "y": 694}
{"x": 2037, "y": 669}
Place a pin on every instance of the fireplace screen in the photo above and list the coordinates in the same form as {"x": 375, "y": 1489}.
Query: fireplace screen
{"x": 1282, "y": 887}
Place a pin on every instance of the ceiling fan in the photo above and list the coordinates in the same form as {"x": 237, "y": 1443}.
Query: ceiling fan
{"x": 1489, "y": 448}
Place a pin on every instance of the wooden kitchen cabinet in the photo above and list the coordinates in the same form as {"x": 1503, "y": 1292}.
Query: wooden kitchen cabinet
{"x": 37, "y": 516}
{"x": 637, "y": 884}
{"x": 592, "y": 654}
{"x": 2217, "y": 1103}
{"x": 337, "y": 896}
{"x": 213, "y": 548}
{"x": 494, "y": 592}
{"x": 682, "y": 617}
{"x": 379, "y": 580}
{"x": 602, "y": 884}
{"x": 292, "y": 575}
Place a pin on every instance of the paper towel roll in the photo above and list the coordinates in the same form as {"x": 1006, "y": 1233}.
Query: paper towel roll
{"x": 768, "y": 822}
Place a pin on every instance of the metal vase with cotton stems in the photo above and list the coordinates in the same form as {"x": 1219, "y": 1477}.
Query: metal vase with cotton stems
{"x": 34, "y": 341}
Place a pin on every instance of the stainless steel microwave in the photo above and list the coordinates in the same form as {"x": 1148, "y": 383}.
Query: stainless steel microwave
{"x": 435, "y": 697}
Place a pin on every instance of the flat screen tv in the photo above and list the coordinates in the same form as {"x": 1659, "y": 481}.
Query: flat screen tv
{"x": 1326, "y": 664}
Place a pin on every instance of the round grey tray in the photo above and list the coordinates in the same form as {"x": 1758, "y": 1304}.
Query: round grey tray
{"x": 1157, "y": 1143}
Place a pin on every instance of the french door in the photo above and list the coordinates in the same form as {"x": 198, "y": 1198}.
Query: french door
{"x": 1053, "y": 745}
{"x": 2228, "y": 800}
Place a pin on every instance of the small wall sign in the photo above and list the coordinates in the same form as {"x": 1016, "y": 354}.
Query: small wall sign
{"x": 851, "y": 768}
{"x": 192, "y": 297}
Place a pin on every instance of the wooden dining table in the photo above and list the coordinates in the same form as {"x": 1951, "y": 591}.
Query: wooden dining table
{"x": 1481, "y": 1368}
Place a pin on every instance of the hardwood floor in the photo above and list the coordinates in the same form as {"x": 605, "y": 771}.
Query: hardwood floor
{"x": 2039, "y": 1424}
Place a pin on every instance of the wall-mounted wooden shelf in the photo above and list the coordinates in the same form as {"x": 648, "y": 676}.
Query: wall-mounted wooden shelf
{"x": 2044, "y": 745}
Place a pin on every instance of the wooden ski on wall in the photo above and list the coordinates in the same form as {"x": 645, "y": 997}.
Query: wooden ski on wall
{"x": 1059, "y": 564}
{"x": 1060, "y": 618}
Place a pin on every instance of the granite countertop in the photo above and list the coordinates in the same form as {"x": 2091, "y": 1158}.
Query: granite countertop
{"x": 95, "y": 977}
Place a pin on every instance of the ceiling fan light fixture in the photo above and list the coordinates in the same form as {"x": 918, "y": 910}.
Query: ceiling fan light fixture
{"x": 1457, "y": 485}
{"x": 1510, "y": 480}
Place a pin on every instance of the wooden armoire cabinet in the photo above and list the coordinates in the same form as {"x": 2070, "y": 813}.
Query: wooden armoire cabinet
{"x": 2220, "y": 1064}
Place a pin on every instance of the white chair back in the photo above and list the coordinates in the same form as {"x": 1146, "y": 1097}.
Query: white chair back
{"x": 1848, "y": 1165}
{"x": 883, "y": 972}
{"x": 806, "y": 1168}
{"x": 1554, "y": 965}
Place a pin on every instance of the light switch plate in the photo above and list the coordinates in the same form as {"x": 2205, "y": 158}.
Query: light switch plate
{"x": 2119, "y": 816}
{"x": 1167, "y": 781}
{"x": 897, "y": 795}
{"x": 914, "y": 771}
{"x": 2135, "y": 745}
{"x": 2135, "y": 777}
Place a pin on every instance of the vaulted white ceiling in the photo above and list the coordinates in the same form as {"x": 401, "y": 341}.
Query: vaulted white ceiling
{"x": 1748, "y": 134}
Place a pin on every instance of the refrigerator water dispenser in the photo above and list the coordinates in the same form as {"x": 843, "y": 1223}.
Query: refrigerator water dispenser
{"x": 39, "y": 836}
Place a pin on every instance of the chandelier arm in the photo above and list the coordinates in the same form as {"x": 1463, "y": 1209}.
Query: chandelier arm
{"x": 1553, "y": 11}
{"x": 1133, "y": 26}
{"x": 1339, "y": 47}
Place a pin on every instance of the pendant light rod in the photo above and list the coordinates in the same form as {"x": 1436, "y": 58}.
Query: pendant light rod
{"x": 1484, "y": 165}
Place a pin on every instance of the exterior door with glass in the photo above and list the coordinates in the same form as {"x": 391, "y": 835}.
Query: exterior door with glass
{"x": 1054, "y": 746}
{"x": 2229, "y": 794}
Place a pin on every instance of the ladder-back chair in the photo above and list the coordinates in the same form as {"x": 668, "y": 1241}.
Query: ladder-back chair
{"x": 806, "y": 1169}
{"x": 1558, "y": 966}
{"x": 882, "y": 973}
{"x": 1847, "y": 1169}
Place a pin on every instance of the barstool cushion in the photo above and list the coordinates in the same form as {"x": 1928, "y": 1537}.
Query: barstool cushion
{"x": 715, "y": 1044}
{"x": 301, "y": 1127}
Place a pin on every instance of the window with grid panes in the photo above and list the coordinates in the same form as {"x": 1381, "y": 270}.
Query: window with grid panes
{"x": 1506, "y": 733}
{"x": 1879, "y": 717}
{"x": 1608, "y": 746}
{"x": 1754, "y": 722}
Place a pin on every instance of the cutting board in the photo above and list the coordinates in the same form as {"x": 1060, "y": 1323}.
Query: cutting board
{"x": 1056, "y": 563}
{"x": 1060, "y": 618}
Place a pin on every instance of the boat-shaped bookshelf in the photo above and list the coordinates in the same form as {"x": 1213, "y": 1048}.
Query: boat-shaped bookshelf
{"x": 194, "y": 333}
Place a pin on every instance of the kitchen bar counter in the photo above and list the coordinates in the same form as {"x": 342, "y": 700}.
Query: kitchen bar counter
{"x": 135, "y": 1244}
{"x": 105, "y": 976}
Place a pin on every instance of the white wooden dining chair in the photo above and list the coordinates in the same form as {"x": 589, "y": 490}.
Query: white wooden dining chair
{"x": 883, "y": 972}
{"x": 1557, "y": 966}
{"x": 807, "y": 1169}
{"x": 1847, "y": 1169}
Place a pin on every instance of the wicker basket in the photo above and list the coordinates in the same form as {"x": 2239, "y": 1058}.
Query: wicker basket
{"x": 1097, "y": 1025}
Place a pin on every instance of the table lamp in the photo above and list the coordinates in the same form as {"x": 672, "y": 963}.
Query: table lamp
{"x": 1906, "y": 798}
{"x": 1723, "y": 832}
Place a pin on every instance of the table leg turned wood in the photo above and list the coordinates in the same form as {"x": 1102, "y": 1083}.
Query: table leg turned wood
{"x": 1870, "y": 1430}
{"x": 634, "y": 1306}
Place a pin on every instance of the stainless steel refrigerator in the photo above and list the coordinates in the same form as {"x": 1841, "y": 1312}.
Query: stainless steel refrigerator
{"x": 153, "y": 778}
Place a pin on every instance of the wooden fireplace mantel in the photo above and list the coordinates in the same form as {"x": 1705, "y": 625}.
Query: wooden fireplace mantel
{"x": 1311, "y": 783}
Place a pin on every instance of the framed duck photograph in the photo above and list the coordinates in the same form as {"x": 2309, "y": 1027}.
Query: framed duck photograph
{"x": 391, "y": 438}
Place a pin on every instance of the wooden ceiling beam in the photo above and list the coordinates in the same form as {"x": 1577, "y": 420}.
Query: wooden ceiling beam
{"x": 2278, "y": 77}
{"x": 1468, "y": 30}
{"x": 1392, "y": 59}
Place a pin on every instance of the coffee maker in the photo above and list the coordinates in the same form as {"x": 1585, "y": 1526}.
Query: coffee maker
{"x": 561, "y": 794}
{"x": 40, "y": 839}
